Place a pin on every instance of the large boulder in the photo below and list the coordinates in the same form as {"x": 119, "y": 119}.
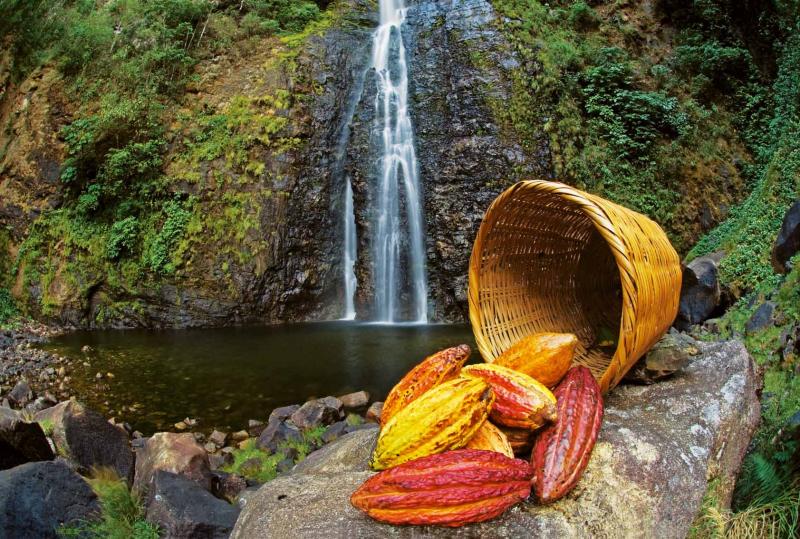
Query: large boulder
{"x": 350, "y": 453}
{"x": 787, "y": 244}
{"x": 182, "y": 509}
{"x": 659, "y": 446}
{"x": 38, "y": 497}
{"x": 700, "y": 291}
{"x": 20, "y": 441}
{"x": 175, "y": 453}
{"x": 87, "y": 439}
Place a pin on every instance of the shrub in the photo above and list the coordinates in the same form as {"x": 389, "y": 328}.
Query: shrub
{"x": 122, "y": 238}
{"x": 8, "y": 307}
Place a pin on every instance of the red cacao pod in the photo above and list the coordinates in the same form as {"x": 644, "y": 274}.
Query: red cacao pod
{"x": 562, "y": 449}
{"x": 447, "y": 489}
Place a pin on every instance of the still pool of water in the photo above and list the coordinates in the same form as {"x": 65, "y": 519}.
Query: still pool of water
{"x": 225, "y": 376}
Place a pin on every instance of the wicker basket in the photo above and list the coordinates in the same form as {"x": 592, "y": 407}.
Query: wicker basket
{"x": 549, "y": 257}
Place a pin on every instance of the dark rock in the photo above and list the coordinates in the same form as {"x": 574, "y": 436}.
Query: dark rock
{"x": 228, "y": 486}
{"x": 667, "y": 356}
{"x": 218, "y": 438}
{"x": 21, "y": 442}
{"x": 276, "y": 433}
{"x": 285, "y": 465}
{"x": 787, "y": 244}
{"x": 355, "y": 401}
{"x": 41, "y": 403}
{"x": 37, "y": 498}
{"x": 85, "y": 437}
{"x": 219, "y": 460}
{"x": 184, "y": 510}
{"x": 762, "y": 318}
{"x": 700, "y": 292}
{"x": 374, "y": 412}
{"x": 334, "y": 431}
{"x": 291, "y": 453}
{"x": 318, "y": 412}
{"x": 658, "y": 448}
{"x": 21, "y": 395}
{"x": 251, "y": 466}
{"x": 175, "y": 453}
{"x": 281, "y": 414}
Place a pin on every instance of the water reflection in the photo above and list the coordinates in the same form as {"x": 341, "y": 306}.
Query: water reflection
{"x": 226, "y": 376}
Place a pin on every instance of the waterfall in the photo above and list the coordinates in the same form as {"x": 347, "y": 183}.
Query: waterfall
{"x": 350, "y": 254}
{"x": 398, "y": 164}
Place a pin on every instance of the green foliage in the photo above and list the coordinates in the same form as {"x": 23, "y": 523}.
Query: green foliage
{"x": 159, "y": 247}
{"x": 122, "y": 237}
{"x": 122, "y": 514}
{"x": 8, "y": 307}
{"x": 253, "y": 463}
{"x": 354, "y": 419}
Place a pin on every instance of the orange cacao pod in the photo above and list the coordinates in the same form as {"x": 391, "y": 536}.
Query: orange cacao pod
{"x": 490, "y": 438}
{"x": 448, "y": 489}
{"x": 432, "y": 371}
{"x": 545, "y": 357}
{"x": 562, "y": 450}
{"x": 520, "y": 401}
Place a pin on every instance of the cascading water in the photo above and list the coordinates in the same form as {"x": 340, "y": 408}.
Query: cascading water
{"x": 398, "y": 164}
{"x": 350, "y": 253}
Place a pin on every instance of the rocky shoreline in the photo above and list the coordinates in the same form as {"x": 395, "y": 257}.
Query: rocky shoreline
{"x": 189, "y": 481}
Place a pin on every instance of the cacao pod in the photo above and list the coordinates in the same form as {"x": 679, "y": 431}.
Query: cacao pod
{"x": 520, "y": 401}
{"x": 449, "y": 489}
{"x": 562, "y": 450}
{"x": 432, "y": 371}
{"x": 443, "y": 418}
{"x": 545, "y": 357}
{"x": 521, "y": 440}
{"x": 490, "y": 438}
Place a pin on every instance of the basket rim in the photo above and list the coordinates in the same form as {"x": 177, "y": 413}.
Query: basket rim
{"x": 603, "y": 224}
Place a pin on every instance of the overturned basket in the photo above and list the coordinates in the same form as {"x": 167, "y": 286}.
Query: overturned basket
{"x": 549, "y": 257}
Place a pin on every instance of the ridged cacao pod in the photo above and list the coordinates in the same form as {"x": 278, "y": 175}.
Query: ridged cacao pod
{"x": 432, "y": 371}
{"x": 449, "y": 489}
{"x": 490, "y": 438}
{"x": 562, "y": 450}
{"x": 521, "y": 440}
{"x": 443, "y": 418}
{"x": 545, "y": 357}
{"x": 520, "y": 401}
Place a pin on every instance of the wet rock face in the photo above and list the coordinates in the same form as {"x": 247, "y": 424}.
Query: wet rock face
{"x": 657, "y": 449}
{"x": 459, "y": 62}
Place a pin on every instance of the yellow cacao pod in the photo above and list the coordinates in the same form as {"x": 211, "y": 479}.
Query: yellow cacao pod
{"x": 430, "y": 372}
{"x": 521, "y": 401}
{"x": 491, "y": 438}
{"x": 545, "y": 357}
{"x": 443, "y": 418}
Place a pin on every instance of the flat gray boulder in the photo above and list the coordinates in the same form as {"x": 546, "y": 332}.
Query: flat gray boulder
{"x": 658, "y": 448}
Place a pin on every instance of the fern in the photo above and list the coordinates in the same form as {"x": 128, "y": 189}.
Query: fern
{"x": 760, "y": 481}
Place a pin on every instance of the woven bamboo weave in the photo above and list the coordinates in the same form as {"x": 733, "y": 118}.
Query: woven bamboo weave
{"x": 549, "y": 257}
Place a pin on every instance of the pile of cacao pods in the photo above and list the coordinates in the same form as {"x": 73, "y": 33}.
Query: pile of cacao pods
{"x": 450, "y": 434}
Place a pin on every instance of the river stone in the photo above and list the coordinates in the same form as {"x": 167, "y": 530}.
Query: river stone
{"x": 318, "y": 412}
{"x": 21, "y": 442}
{"x": 349, "y": 453}
{"x": 175, "y": 453}
{"x": 21, "y": 394}
{"x": 787, "y": 244}
{"x": 276, "y": 433}
{"x": 184, "y": 510}
{"x": 374, "y": 412}
{"x": 87, "y": 439}
{"x": 38, "y": 497}
{"x": 355, "y": 401}
{"x": 282, "y": 413}
{"x": 666, "y": 357}
{"x": 658, "y": 448}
